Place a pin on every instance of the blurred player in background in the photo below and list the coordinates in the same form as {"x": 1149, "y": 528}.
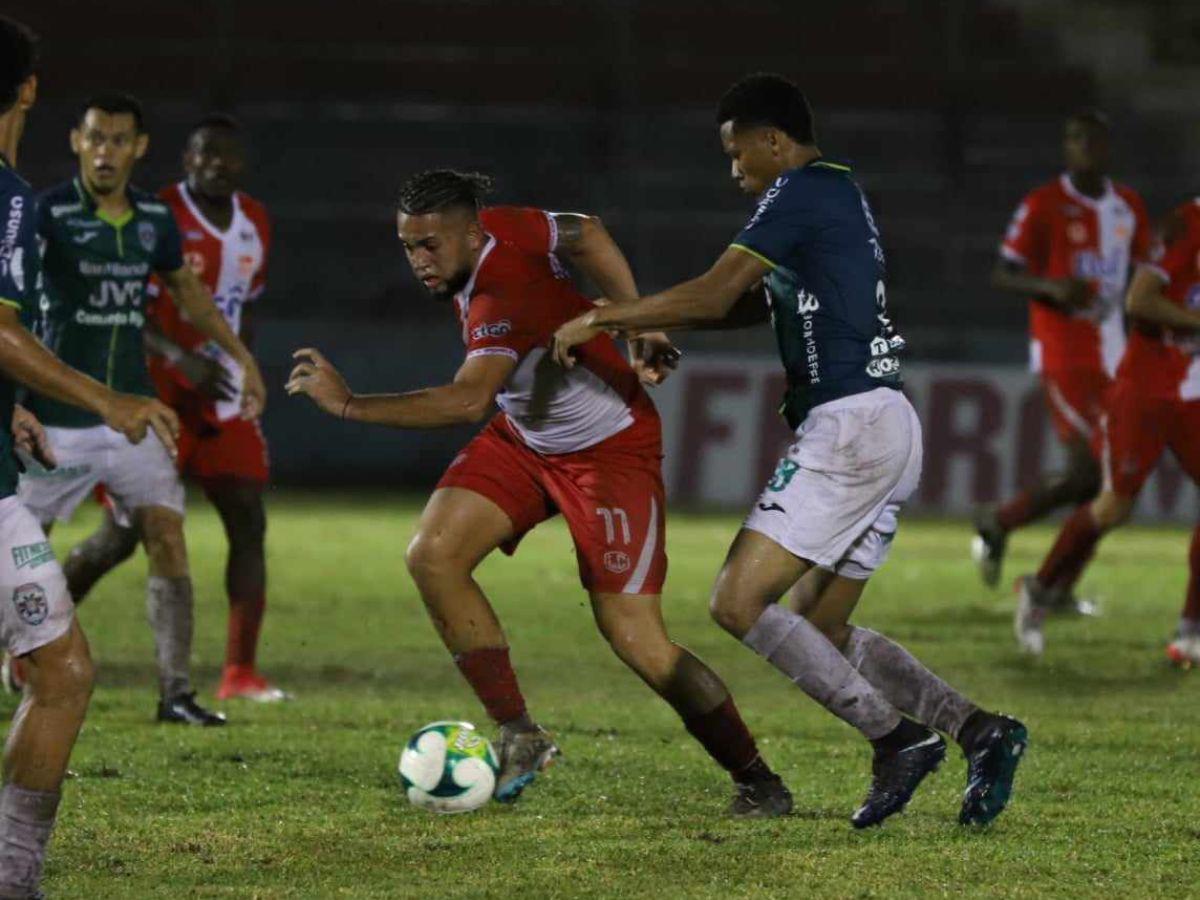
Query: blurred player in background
{"x": 1069, "y": 249}
{"x": 587, "y": 444}
{"x": 830, "y": 511}
{"x": 1154, "y": 405}
{"x": 226, "y": 240}
{"x": 38, "y": 626}
{"x": 103, "y": 240}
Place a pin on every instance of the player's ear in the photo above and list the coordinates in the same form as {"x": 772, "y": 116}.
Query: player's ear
{"x": 27, "y": 95}
{"x": 76, "y": 139}
{"x": 475, "y": 235}
{"x": 141, "y": 145}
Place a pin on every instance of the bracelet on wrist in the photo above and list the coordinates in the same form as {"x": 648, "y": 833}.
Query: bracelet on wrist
{"x": 346, "y": 406}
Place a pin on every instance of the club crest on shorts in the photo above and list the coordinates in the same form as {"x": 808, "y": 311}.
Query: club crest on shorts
{"x": 147, "y": 234}
{"x": 31, "y": 603}
{"x": 616, "y": 561}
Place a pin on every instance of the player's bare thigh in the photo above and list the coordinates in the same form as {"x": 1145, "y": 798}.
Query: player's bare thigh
{"x": 756, "y": 573}
{"x": 458, "y": 528}
{"x": 827, "y": 600}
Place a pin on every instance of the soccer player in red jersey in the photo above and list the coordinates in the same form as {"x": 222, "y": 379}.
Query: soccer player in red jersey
{"x": 584, "y": 443}
{"x": 1154, "y": 404}
{"x": 226, "y": 242}
{"x": 1069, "y": 249}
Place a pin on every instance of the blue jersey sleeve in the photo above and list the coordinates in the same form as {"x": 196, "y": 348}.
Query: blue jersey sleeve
{"x": 778, "y": 224}
{"x": 168, "y": 256}
{"x": 19, "y": 253}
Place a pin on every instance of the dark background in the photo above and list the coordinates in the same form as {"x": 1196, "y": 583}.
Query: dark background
{"x": 950, "y": 111}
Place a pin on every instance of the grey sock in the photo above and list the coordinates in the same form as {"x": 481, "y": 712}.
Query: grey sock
{"x": 169, "y": 609}
{"x": 1189, "y": 628}
{"x": 26, "y": 820}
{"x": 800, "y": 651}
{"x": 907, "y": 684}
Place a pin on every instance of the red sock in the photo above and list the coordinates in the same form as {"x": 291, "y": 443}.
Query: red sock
{"x": 1191, "y": 606}
{"x": 1016, "y": 512}
{"x": 491, "y": 676}
{"x": 725, "y": 736}
{"x": 1074, "y": 547}
{"x": 245, "y": 621}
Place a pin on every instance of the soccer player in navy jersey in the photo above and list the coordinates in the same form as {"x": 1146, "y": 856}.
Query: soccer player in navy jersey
{"x": 827, "y": 517}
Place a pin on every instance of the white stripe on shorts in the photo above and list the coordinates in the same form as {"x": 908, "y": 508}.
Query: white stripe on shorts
{"x": 642, "y": 569}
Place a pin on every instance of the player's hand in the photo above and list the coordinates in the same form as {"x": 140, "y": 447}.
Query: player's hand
{"x": 570, "y": 335}
{"x": 1073, "y": 293}
{"x": 654, "y": 357}
{"x": 321, "y": 381}
{"x": 254, "y": 390}
{"x": 134, "y": 416}
{"x": 30, "y": 436}
{"x": 207, "y": 376}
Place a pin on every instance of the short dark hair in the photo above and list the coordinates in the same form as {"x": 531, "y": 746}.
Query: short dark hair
{"x": 1091, "y": 116}
{"x": 115, "y": 103}
{"x": 18, "y": 59}
{"x": 438, "y": 189}
{"x": 216, "y": 120}
{"x": 765, "y": 99}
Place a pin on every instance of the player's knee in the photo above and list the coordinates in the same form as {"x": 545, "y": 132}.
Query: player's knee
{"x": 1083, "y": 479}
{"x": 730, "y": 612}
{"x": 1111, "y": 510}
{"x": 165, "y": 545}
{"x": 63, "y": 674}
{"x": 430, "y": 557}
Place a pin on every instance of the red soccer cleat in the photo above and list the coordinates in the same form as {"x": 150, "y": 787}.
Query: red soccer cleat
{"x": 244, "y": 683}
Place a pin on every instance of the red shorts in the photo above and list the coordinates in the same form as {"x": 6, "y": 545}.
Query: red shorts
{"x": 611, "y": 496}
{"x": 1138, "y": 428}
{"x": 234, "y": 449}
{"x": 1076, "y": 398}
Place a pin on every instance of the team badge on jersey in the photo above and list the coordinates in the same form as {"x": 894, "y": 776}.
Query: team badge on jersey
{"x": 1077, "y": 232}
{"x": 147, "y": 234}
{"x": 616, "y": 561}
{"x": 30, "y": 601}
{"x": 195, "y": 261}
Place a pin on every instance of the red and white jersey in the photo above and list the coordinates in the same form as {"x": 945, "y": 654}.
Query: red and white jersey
{"x": 1160, "y": 362}
{"x": 231, "y": 263}
{"x": 1057, "y": 232}
{"x": 515, "y": 300}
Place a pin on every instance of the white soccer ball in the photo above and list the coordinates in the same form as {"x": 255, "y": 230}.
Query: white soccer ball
{"x": 449, "y": 767}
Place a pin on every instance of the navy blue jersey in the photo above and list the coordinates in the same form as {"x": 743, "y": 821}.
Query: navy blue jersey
{"x": 814, "y": 228}
{"x": 20, "y": 288}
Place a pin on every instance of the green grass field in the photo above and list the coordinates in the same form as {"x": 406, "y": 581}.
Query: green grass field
{"x": 301, "y": 800}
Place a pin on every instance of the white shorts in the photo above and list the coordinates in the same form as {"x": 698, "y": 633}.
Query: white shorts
{"x": 137, "y": 475}
{"x": 35, "y": 607}
{"x": 835, "y": 497}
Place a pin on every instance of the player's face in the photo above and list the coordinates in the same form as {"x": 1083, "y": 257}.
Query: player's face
{"x": 755, "y": 156}
{"x": 441, "y": 248}
{"x": 214, "y": 162}
{"x": 108, "y": 145}
{"x": 1085, "y": 147}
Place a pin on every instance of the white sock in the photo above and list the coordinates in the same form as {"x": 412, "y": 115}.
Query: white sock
{"x": 169, "y": 609}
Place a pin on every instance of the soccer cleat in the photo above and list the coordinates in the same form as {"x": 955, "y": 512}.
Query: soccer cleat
{"x": 12, "y": 673}
{"x": 991, "y": 765}
{"x": 1030, "y": 615}
{"x": 523, "y": 753}
{"x": 1184, "y": 651}
{"x": 243, "y": 684}
{"x": 988, "y": 545}
{"x": 1060, "y": 602}
{"x": 763, "y": 798}
{"x": 182, "y": 709}
{"x": 896, "y": 776}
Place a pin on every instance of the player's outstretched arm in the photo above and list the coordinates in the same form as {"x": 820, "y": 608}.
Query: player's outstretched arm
{"x": 195, "y": 300}
{"x": 207, "y": 376}
{"x": 1147, "y": 303}
{"x": 692, "y": 304}
{"x": 26, "y": 361}
{"x": 1067, "y": 294}
{"x": 468, "y": 398}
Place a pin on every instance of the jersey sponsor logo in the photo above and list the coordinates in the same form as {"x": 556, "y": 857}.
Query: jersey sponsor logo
{"x": 766, "y": 200}
{"x": 491, "y": 330}
{"x": 1099, "y": 267}
{"x": 32, "y": 555}
{"x": 107, "y": 320}
{"x": 12, "y": 257}
{"x": 147, "y": 235}
{"x": 617, "y": 561}
{"x": 807, "y": 302}
{"x": 112, "y": 292}
{"x": 193, "y": 234}
{"x": 807, "y": 305}
{"x": 31, "y": 603}
{"x": 246, "y": 265}
{"x": 246, "y": 236}
{"x": 1077, "y": 232}
{"x": 12, "y": 265}
{"x": 113, "y": 269}
{"x": 84, "y": 238}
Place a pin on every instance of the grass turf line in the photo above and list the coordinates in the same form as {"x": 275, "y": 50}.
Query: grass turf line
{"x": 301, "y": 800}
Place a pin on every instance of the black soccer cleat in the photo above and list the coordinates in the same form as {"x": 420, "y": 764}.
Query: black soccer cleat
{"x": 896, "y": 776}
{"x": 992, "y": 763}
{"x": 988, "y": 545}
{"x": 182, "y": 709}
{"x": 764, "y": 798}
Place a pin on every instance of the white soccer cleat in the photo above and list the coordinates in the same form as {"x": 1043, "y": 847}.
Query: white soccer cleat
{"x": 1184, "y": 651}
{"x": 1029, "y": 617}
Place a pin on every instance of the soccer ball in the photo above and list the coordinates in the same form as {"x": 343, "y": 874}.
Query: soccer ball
{"x": 449, "y": 767}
